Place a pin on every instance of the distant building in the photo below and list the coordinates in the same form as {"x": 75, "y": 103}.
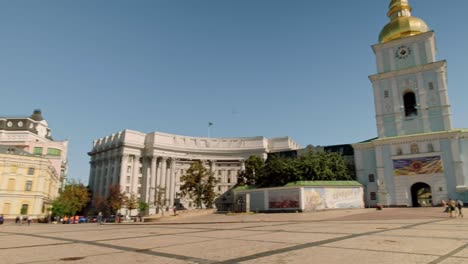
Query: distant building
{"x": 28, "y": 183}
{"x": 140, "y": 162}
{"x": 33, "y": 135}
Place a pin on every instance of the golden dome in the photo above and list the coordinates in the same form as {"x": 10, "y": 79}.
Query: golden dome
{"x": 401, "y": 24}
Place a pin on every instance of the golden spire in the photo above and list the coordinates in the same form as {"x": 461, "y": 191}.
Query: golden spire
{"x": 402, "y": 23}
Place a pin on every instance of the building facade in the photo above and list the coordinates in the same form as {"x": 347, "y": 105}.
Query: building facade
{"x": 418, "y": 158}
{"x": 28, "y": 183}
{"x": 142, "y": 163}
{"x": 33, "y": 135}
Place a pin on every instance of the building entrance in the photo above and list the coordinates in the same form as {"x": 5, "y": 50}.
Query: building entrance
{"x": 421, "y": 194}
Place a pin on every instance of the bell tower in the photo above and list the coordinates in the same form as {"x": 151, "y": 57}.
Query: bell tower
{"x": 410, "y": 88}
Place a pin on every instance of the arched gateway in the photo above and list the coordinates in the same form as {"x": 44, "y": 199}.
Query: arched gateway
{"x": 421, "y": 194}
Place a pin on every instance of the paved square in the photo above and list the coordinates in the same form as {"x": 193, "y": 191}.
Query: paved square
{"x": 396, "y": 235}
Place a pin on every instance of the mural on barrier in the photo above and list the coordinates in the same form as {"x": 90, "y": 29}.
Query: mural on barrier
{"x": 287, "y": 199}
{"x": 412, "y": 166}
{"x": 326, "y": 198}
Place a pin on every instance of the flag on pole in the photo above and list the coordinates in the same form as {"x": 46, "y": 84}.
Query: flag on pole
{"x": 210, "y": 124}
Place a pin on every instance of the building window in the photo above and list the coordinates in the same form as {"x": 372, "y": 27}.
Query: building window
{"x": 141, "y": 170}
{"x": 373, "y": 196}
{"x": 31, "y": 171}
{"x": 219, "y": 188}
{"x": 431, "y": 86}
{"x": 54, "y": 152}
{"x": 409, "y": 100}
{"x": 414, "y": 149}
{"x": 219, "y": 172}
{"x": 37, "y": 151}
{"x": 399, "y": 151}
{"x": 11, "y": 184}
{"x": 229, "y": 179}
{"x": 24, "y": 209}
{"x": 371, "y": 178}
{"x": 127, "y": 189}
{"x": 182, "y": 172}
{"x": 139, "y": 190}
{"x": 28, "y": 186}
{"x": 128, "y": 179}
{"x": 430, "y": 147}
{"x": 139, "y": 180}
{"x": 229, "y": 173}
{"x": 129, "y": 169}
{"x": 385, "y": 94}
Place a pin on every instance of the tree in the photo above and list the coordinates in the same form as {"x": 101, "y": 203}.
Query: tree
{"x": 278, "y": 171}
{"x": 323, "y": 166}
{"x": 199, "y": 185}
{"x": 131, "y": 201}
{"x": 160, "y": 198}
{"x": 72, "y": 199}
{"x": 101, "y": 205}
{"x": 254, "y": 167}
{"x": 115, "y": 199}
{"x": 143, "y": 207}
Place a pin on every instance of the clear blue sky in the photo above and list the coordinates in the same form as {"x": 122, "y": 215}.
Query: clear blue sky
{"x": 269, "y": 68}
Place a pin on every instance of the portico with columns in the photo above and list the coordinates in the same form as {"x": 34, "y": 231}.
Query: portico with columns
{"x": 143, "y": 163}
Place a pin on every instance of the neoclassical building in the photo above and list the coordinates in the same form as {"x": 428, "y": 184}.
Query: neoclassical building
{"x": 28, "y": 183}
{"x": 140, "y": 163}
{"x": 418, "y": 158}
{"x": 33, "y": 135}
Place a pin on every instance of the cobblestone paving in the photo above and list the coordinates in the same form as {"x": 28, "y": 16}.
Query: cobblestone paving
{"x": 397, "y": 235}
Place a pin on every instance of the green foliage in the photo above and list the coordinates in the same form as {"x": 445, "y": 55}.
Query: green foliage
{"x": 254, "y": 167}
{"x": 143, "y": 207}
{"x": 71, "y": 200}
{"x": 278, "y": 171}
{"x": 199, "y": 185}
{"x": 131, "y": 201}
{"x": 115, "y": 199}
{"x": 160, "y": 198}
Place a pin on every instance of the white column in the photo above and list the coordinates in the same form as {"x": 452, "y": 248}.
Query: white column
{"x": 123, "y": 171}
{"x": 172, "y": 182}
{"x": 168, "y": 181}
{"x": 135, "y": 174}
{"x": 163, "y": 174}
{"x": 144, "y": 182}
{"x": 152, "y": 180}
{"x": 116, "y": 167}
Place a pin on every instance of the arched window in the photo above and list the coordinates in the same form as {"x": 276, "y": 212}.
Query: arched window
{"x": 414, "y": 148}
{"x": 409, "y": 100}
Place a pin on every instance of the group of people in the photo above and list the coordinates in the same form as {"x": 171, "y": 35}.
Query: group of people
{"x": 21, "y": 219}
{"x": 452, "y": 207}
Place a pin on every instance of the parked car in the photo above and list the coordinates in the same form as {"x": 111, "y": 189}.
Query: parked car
{"x": 82, "y": 219}
{"x": 110, "y": 219}
{"x": 92, "y": 219}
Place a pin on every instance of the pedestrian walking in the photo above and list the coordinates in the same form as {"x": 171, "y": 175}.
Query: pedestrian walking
{"x": 99, "y": 218}
{"x": 29, "y": 219}
{"x": 20, "y": 219}
{"x": 460, "y": 206}
{"x": 1, "y": 219}
{"x": 452, "y": 206}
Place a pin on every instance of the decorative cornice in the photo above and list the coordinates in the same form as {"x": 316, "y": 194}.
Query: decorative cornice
{"x": 438, "y": 65}
{"x": 458, "y": 133}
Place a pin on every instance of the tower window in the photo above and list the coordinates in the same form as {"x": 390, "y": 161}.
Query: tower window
{"x": 431, "y": 86}
{"x": 414, "y": 149}
{"x": 371, "y": 178}
{"x": 373, "y": 196}
{"x": 385, "y": 94}
{"x": 430, "y": 147}
{"x": 399, "y": 151}
{"x": 409, "y": 100}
